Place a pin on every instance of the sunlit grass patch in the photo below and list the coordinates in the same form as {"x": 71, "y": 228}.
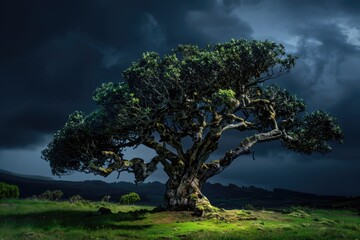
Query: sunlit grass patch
{"x": 25, "y": 219}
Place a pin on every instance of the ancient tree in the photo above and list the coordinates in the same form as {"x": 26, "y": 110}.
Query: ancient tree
{"x": 180, "y": 105}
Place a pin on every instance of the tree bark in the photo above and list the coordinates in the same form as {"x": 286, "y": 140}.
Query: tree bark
{"x": 183, "y": 193}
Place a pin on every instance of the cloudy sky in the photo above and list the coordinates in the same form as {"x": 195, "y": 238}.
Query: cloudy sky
{"x": 53, "y": 54}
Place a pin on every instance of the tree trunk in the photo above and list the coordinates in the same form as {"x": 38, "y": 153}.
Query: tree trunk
{"x": 184, "y": 193}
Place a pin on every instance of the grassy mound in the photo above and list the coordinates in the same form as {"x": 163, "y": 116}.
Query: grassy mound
{"x": 25, "y": 219}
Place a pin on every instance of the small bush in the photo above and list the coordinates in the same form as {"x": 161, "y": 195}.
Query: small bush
{"x": 250, "y": 207}
{"x": 106, "y": 198}
{"x": 51, "y": 195}
{"x": 76, "y": 198}
{"x": 299, "y": 214}
{"x": 8, "y": 191}
{"x": 130, "y": 198}
{"x": 300, "y": 209}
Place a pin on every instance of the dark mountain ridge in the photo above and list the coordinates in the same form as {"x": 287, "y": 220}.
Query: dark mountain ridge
{"x": 228, "y": 197}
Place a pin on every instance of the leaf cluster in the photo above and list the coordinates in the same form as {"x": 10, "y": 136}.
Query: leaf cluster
{"x": 314, "y": 132}
{"x": 190, "y": 72}
{"x": 129, "y": 198}
{"x": 8, "y": 191}
{"x": 78, "y": 142}
{"x": 49, "y": 195}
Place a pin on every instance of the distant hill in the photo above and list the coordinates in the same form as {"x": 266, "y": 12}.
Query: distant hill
{"x": 25, "y": 176}
{"x": 228, "y": 197}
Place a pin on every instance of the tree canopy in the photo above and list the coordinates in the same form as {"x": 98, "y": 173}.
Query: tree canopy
{"x": 191, "y": 95}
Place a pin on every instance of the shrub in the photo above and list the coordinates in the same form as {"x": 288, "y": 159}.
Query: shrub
{"x": 106, "y": 198}
{"x": 8, "y": 191}
{"x": 250, "y": 207}
{"x": 51, "y": 195}
{"x": 34, "y": 197}
{"x": 129, "y": 198}
{"x": 303, "y": 209}
{"x": 76, "y": 198}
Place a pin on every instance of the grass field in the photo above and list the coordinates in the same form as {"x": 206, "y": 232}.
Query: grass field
{"x": 26, "y": 219}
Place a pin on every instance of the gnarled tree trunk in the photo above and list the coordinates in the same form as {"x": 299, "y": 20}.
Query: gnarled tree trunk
{"x": 184, "y": 193}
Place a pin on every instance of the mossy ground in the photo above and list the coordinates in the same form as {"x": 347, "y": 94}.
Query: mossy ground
{"x": 25, "y": 219}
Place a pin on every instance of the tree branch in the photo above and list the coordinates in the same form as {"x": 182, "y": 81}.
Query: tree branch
{"x": 235, "y": 126}
{"x": 171, "y": 137}
{"x": 137, "y": 166}
{"x": 215, "y": 167}
{"x": 160, "y": 149}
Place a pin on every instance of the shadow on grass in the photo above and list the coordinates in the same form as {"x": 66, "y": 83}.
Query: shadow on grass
{"x": 74, "y": 220}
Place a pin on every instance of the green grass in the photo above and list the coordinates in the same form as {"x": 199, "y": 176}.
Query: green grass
{"x": 25, "y": 219}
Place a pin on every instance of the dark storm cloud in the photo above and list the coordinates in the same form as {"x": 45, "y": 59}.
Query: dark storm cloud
{"x": 326, "y": 38}
{"x": 308, "y": 7}
{"x": 326, "y": 77}
{"x": 55, "y": 53}
{"x": 321, "y": 76}
{"x": 346, "y": 110}
{"x": 219, "y": 25}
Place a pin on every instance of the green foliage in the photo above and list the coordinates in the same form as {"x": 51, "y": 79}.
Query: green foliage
{"x": 130, "y": 198}
{"x": 76, "y": 199}
{"x": 195, "y": 72}
{"x": 106, "y": 198}
{"x": 48, "y": 195}
{"x": 8, "y": 191}
{"x": 111, "y": 93}
{"x": 85, "y": 137}
{"x": 250, "y": 207}
{"x": 313, "y": 132}
{"x": 73, "y": 145}
{"x": 226, "y": 96}
{"x": 286, "y": 105}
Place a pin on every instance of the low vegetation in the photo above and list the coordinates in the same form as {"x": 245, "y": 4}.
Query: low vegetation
{"x": 8, "y": 191}
{"x": 49, "y": 195}
{"x": 129, "y": 198}
{"x": 76, "y": 199}
{"x": 28, "y": 219}
{"x": 106, "y": 198}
